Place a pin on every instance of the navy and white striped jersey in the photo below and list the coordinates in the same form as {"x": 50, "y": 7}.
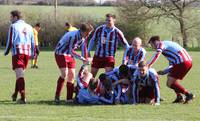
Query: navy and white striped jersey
{"x": 133, "y": 58}
{"x": 107, "y": 41}
{"x": 150, "y": 80}
{"x": 71, "y": 41}
{"x": 174, "y": 53}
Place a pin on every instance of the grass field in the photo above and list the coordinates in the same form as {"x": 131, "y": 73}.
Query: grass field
{"x": 41, "y": 83}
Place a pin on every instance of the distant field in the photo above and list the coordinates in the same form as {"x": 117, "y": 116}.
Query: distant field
{"x": 41, "y": 83}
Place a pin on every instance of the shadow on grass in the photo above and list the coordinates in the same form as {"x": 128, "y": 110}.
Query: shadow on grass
{"x": 46, "y": 102}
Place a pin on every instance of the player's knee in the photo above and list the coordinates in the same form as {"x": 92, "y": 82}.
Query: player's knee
{"x": 63, "y": 75}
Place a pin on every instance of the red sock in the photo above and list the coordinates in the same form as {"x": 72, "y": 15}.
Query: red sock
{"x": 178, "y": 88}
{"x": 21, "y": 87}
{"x": 70, "y": 90}
{"x": 16, "y": 88}
{"x": 60, "y": 84}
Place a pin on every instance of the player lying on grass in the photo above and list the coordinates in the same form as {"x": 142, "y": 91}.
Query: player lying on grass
{"x": 86, "y": 89}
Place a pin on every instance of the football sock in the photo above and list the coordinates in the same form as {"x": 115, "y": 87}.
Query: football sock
{"x": 178, "y": 88}
{"x": 21, "y": 87}
{"x": 60, "y": 84}
{"x": 16, "y": 88}
{"x": 70, "y": 90}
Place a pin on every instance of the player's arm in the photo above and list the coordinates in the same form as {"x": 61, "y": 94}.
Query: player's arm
{"x": 155, "y": 80}
{"x": 166, "y": 70}
{"x": 142, "y": 58}
{"x": 9, "y": 41}
{"x": 125, "y": 56}
{"x": 32, "y": 44}
{"x": 92, "y": 41}
{"x": 154, "y": 58}
{"x": 107, "y": 101}
{"x": 122, "y": 39}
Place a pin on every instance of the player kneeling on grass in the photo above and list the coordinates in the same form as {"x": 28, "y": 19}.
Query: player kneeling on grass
{"x": 145, "y": 85}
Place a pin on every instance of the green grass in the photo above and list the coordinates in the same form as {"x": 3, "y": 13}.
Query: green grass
{"x": 40, "y": 88}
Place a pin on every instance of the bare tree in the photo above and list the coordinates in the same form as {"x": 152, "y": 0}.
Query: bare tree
{"x": 176, "y": 10}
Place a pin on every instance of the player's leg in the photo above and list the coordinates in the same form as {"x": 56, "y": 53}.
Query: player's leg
{"x": 94, "y": 71}
{"x": 60, "y": 83}
{"x": 19, "y": 63}
{"x": 70, "y": 84}
{"x": 174, "y": 84}
{"x": 110, "y": 63}
{"x": 62, "y": 65}
{"x": 20, "y": 84}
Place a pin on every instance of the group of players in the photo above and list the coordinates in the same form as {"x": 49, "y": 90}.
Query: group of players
{"x": 131, "y": 83}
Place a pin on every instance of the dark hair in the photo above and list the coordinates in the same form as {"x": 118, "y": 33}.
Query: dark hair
{"x": 142, "y": 64}
{"x": 123, "y": 70}
{"x": 67, "y": 24}
{"x": 37, "y": 24}
{"x": 102, "y": 77}
{"x": 154, "y": 38}
{"x": 110, "y": 15}
{"x": 86, "y": 27}
{"x": 16, "y": 13}
{"x": 93, "y": 84}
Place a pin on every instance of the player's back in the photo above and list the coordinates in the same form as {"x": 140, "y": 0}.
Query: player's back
{"x": 22, "y": 31}
{"x": 84, "y": 97}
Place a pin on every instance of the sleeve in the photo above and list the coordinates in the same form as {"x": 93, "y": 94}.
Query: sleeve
{"x": 92, "y": 40}
{"x": 118, "y": 93}
{"x": 167, "y": 70}
{"x": 76, "y": 55}
{"x": 9, "y": 40}
{"x": 156, "y": 86}
{"x": 125, "y": 56}
{"x": 143, "y": 55}
{"x": 135, "y": 93}
{"x": 32, "y": 45}
{"x": 84, "y": 51}
{"x": 122, "y": 39}
{"x": 35, "y": 37}
{"x": 106, "y": 101}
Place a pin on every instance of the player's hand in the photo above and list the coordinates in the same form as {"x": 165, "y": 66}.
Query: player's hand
{"x": 85, "y": 62}
{"x": 37, "y": 50}
{"x": 90, "y": 60}
{"x": 6, "y": 53}
{"x": 117, "y": 101}
{"x": 160, "y": 72}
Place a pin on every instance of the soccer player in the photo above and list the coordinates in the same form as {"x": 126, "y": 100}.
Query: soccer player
{"x": 135, "y": 53}
{"x": 121, "y": 80}
{"x": 180, "y": 63}
{"x": 21, "y": 41}
{"x": 69, "y": 27}
{"x": 145, "y": 84}
{"x": 107, "y": 37}
{"x": 64, "y": 55}
{"x": 83, "y": 77}
{"x": 88, "y": 95}
{"x": 36, "y": 29}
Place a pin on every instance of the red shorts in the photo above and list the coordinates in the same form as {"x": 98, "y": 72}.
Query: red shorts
{"x": 180, "y": 70}
{"x": 65, "y": 61}
{"x": 102, "y": 62}
{"x": 146, "y": 93}
{"x": 20, "y": 61}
